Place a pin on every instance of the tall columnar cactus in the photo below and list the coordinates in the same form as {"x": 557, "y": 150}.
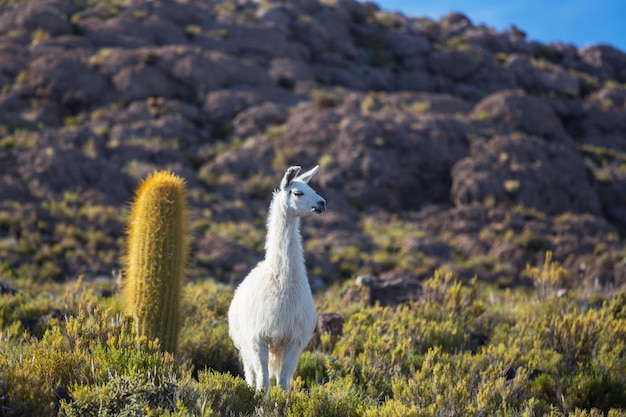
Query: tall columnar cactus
{"x": 157, "y": 256}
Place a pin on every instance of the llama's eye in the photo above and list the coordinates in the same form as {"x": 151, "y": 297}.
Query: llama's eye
{"x": 297, "y": 193}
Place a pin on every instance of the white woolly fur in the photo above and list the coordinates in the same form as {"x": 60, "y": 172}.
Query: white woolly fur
{"x": 272, "y": 316}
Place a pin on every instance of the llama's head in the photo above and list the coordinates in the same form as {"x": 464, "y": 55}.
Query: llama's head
{"x": 301, "y": 200}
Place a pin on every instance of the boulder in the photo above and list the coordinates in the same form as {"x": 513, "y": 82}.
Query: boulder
{"x": 405, "y": 45}
{"x": 330, "y": 324}
{"x": 276, "y": 16}
{"x": 374, "y": 290}
{"x": 53, "y": 171}
{"x": 514, "y": 110}
{"x": 550, "y": 79}
{"x": 455, "y": 18}
{"x": 45, "y": 17}
{"x": 418, "y": 80}
{"x": 182, "y": 14}
{"x": 401, "y": 164}
{"x": 141, "y": 82}
{"x": 256, "y": 119}
{"x": 65, "y": 78}
{"x": 526, "y": 170}
{"x": 610, "y": 62}
{"x": 611, "y": 96}
{"x": 456, "y": 64}
{"x": 487, "y": 39}
{"x": 125, "y": 30}
{"x": 223, "y": 105}
{"x": 267, "y": 42}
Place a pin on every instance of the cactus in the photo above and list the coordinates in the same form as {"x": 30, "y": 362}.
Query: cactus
{"x": 156, "y": 258}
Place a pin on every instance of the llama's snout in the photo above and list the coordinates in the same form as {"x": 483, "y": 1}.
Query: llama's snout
{"x": 320, "y": 207}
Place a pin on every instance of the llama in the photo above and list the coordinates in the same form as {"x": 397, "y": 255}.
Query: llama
{"x": 272, "y": 315}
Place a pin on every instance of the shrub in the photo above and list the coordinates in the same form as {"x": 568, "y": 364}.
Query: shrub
{"x": 204, "y": 339}
{"x": 219, "y": 394}
{"x": 548, "y": 278}
{"x": 558, "y": 357}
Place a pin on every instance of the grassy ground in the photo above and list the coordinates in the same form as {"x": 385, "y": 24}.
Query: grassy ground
{"x": 463, "y": 349}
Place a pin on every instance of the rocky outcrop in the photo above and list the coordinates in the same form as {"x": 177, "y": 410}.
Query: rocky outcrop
{"x": 389, "y": 292}
{"x": 515, "y": 111}
{"x": 528, "y": 171}
{"x": 477, "y": 150}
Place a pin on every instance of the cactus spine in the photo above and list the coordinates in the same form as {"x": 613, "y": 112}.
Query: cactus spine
{"x": 156, "y": 259}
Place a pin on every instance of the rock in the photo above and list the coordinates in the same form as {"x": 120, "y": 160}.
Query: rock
{"x": 602, "y": 128}
{"x": 330, "y": 323}
{"x": 417, "y": 80}
{"x": 7, "y": 289}
{"x": 124, "y": 30}
{"x": 516, "y": 111}
{"x": 405, "y": 45}
{"x": 406, "y": 160}
{"x": 525, "y": 170}
{"x": 552, "y": 79}
{"x": 264, "y": 41}
{"x": 200, "y": 71}
{"x": 291, "y": 74}
{"x": 608, "y": 61}
{"x": 44, "y": 17}
{"x": 374, "y": 290}
{"x": 224, "y": 259}
{"x": 224, "y": 105}
{"x": 182, "y": 14}
{"x": 612, "y": 194}
{"x": 415, "y": 124}
{"x": 66, "y": 79}
{"x": 370, "y": 7}
{"x": 13, "y": 59}
{"x": 487, "y": 39}
{"x": 52, "y": 172}
{"x": 142, "y": 82}
{"x": 276, "y": 16}
{"x": 256, "y": 119}
{"x": 12, "y": 107}
{"x": 475, "y": 340}
{"x": 611, "y": 96}
{"x": 206, "y": 71}
{"x": 325, "y": 32}
{"x": 360, "y": 78}
{"x": 455, "y": 64}
{"x": 455, "y": 18}
{"x": 488, "y": 79}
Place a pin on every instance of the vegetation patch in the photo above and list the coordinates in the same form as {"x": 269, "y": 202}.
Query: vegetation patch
{"x": 464, "y": 349}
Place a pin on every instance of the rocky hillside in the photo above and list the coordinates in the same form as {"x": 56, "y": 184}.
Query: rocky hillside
{"x": 441, "y": 143}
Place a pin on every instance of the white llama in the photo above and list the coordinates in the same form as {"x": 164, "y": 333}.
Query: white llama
{"x": 272, "y": 316}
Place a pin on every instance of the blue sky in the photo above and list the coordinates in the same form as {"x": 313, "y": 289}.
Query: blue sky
{"x": 579, "y": 22}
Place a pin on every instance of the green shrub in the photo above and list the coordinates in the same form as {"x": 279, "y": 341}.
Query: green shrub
{"x": 204, "y": 338}
{"x": 338, "y": 398}
{"x": 592, "y": 389}
{"x": 548, "y": 278}
{"x": 557, "y": 357}
{"x": 217, "y": 394}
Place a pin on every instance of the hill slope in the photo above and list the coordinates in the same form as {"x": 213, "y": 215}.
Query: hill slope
{"x": 442, "y": 144}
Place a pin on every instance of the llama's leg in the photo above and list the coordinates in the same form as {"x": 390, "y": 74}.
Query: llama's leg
{"x": 260, "y": 366}
{"x": 275, "y": 361}
{"x": 248, "y": 371}
{"x": 291, "y": 354}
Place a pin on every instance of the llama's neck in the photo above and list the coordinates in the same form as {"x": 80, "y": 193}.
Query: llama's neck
{"x": 283, "y": 244}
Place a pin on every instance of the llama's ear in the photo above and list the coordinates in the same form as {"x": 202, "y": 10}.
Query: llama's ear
{"x": 291, "y": 173}
{"x": 306, "y": 177}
